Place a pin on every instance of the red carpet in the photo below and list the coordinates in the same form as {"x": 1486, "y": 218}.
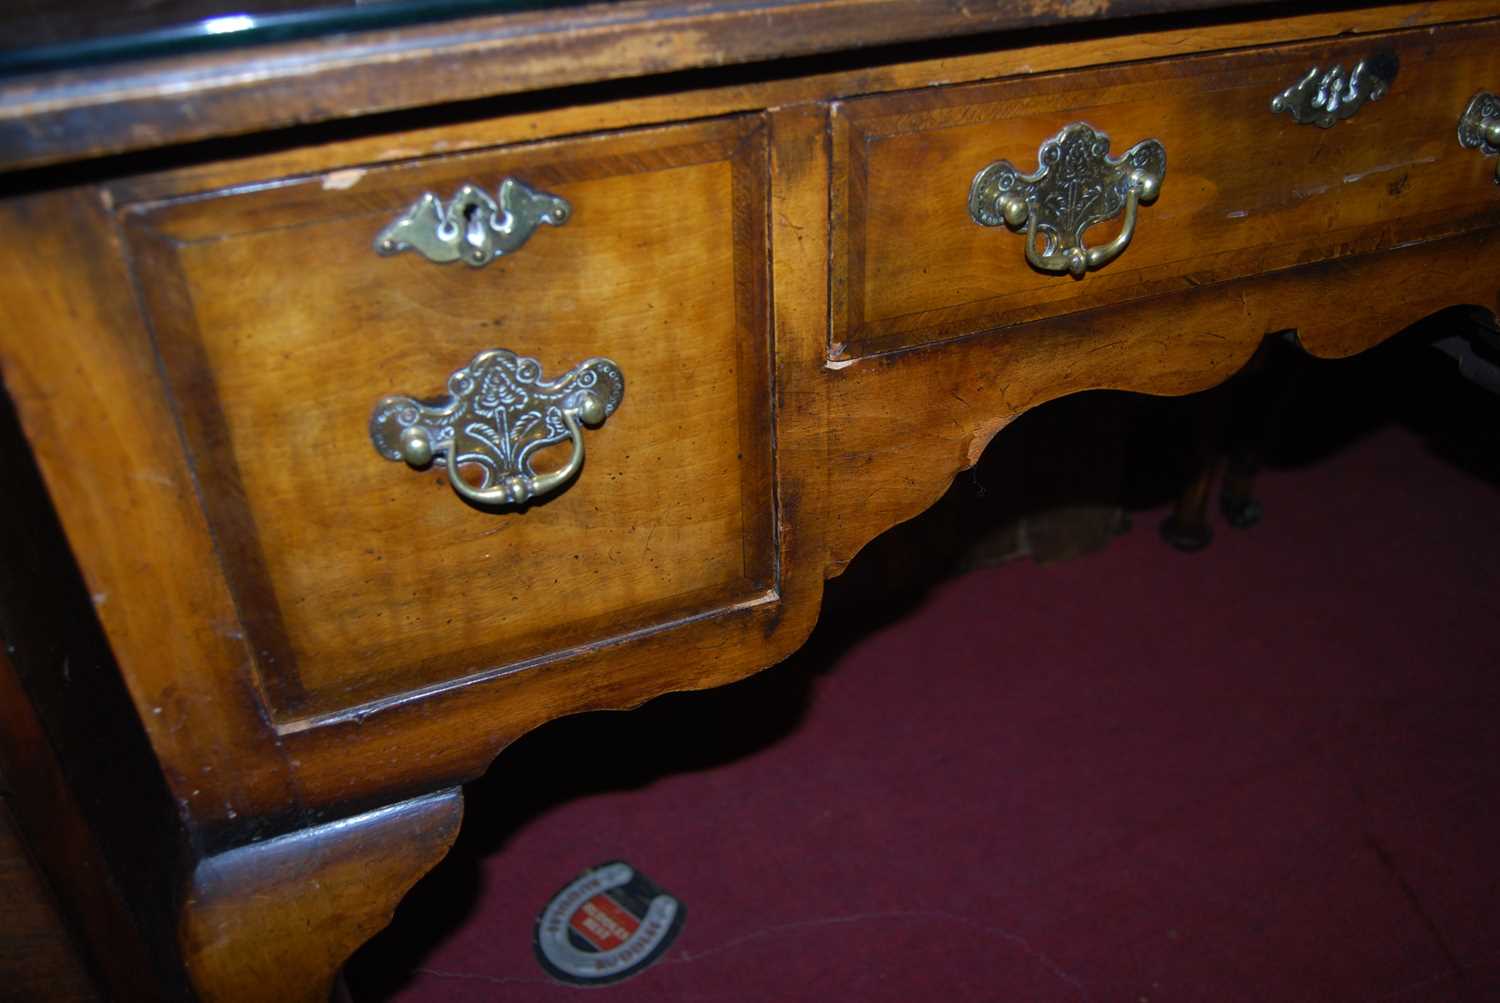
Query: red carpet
{"x": 1266, "y": 772}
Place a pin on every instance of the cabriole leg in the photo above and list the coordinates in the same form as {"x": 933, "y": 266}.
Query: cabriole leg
{"x": 276, "y": 920}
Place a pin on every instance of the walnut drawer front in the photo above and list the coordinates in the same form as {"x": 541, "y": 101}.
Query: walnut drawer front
{"x": 1246, "y": 190}
{"x": 359, "y": 579}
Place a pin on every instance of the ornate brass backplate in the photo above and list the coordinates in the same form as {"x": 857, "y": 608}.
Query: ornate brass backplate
{"x": 1323, "y": 97}
{"x": 472, "y": 227}
{"x": 1479, "y": 127}
{"x": 498, "y": 413}
{"x": 1076, "y": 185}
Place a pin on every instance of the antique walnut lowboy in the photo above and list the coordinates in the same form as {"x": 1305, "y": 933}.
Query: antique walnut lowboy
{"x": 373, "y": 398}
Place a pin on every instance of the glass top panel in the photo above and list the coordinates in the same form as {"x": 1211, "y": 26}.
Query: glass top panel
{"x": 37, "y": 35}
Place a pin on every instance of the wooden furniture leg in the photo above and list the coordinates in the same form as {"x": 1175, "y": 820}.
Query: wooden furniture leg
{"x": 276, "y": 920}
{"x": 1230, "y": 432}
{"x": 1237, "y": 502}
{"x": 1258, "y": 397}
{"x": 1188, "y": 528}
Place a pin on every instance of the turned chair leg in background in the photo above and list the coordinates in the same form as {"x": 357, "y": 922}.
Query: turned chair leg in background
{"x": 1231, "y": 428}
{"x": 1187, "y": 528}
{"x": 1257, "y": 398}
{"x": 1237, "y": 502}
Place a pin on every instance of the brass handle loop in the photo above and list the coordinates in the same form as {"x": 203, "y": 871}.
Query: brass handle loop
{"x": 498, "y": 413}
{"x": 1076, "y": 185}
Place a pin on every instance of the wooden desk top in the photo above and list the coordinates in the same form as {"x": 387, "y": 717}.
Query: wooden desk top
{"x": 125, "y": 106}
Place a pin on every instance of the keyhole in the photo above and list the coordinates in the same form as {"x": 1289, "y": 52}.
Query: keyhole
{"x": 474, "y": 229}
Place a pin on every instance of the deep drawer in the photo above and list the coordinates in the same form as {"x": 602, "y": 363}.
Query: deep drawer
{"x": 1246, "y": 190}
{"x": 357, "y": 578}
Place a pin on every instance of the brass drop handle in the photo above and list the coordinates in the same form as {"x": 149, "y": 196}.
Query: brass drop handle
{"x": 1076, "y": 184}
{"x": 1479, "y": 127}
{"x": 498, "y": 413}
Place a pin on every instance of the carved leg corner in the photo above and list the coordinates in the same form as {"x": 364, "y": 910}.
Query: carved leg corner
{"x": 276, "y": 920}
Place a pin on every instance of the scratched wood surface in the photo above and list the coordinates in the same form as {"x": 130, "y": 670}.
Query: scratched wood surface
{"x": 1246, "y": 191}
{"x": 173, "y": 339}
{"x": 605, "y": 108}
{"x": 90, "y": 111}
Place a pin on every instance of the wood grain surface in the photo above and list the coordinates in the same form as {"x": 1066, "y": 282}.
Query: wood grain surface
{"x": 1246, "y": 191}
{"x": 906, "y": 441}
{"x": 81, "y": 780}
{"x": 855, "y": 451}
{"x": 193, "y": 343}
{"x": 582, "y": 110}
{"x": 357, "y": 578}
{"x": 78, "y": 364}
{"x": 114, "y": 108}
{"x": 276, "y": 920}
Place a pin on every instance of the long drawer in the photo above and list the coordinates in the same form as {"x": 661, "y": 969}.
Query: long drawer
{"x": 282, "y": 328}
{"x": 1246, "y": 189}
